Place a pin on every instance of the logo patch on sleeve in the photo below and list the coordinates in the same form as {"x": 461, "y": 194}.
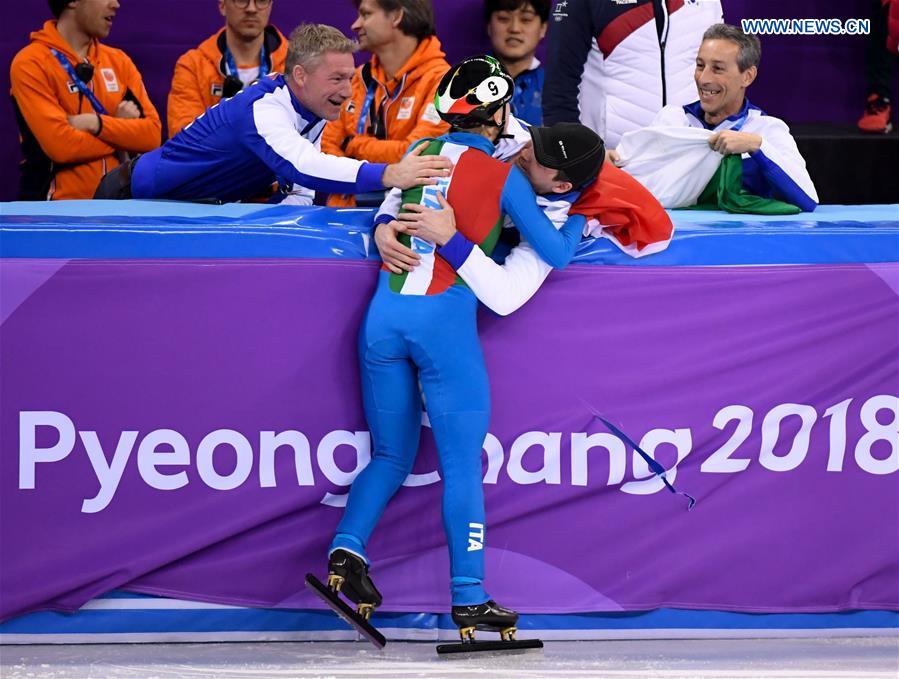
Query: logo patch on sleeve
{"x": 217, "y": 89}
{"x": 430, "y": 114}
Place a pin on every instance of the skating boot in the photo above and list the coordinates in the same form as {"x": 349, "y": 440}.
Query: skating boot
{"x": 489, "y": 617}
{"x": 348, "y": 575}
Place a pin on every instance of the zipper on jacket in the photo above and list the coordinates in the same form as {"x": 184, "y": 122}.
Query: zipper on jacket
{"x": 660, "y": 10}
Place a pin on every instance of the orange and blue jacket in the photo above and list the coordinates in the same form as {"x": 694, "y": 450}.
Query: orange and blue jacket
{"x": 200, "y": 75}
{"x": 60, "y": 162}
{"x": 400, "y": 111}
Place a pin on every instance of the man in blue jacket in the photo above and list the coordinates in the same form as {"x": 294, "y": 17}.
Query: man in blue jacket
{"x": 271, "y": 132}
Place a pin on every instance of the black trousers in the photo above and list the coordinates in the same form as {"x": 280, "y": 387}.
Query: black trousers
{"x": 116, "y": 184}
{"x": 879, "y": 63}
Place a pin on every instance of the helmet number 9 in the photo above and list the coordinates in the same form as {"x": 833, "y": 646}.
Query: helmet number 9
{"x": 492, "y": 89}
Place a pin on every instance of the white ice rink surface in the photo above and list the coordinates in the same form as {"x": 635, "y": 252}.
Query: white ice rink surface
{"x": 856, "y": 658}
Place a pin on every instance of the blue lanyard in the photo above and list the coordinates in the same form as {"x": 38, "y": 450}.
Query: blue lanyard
{"x": 98, "y": 107}
{"x": 737, "y": 126}
{"x": 363, "y": 114}
{"x": 232, "y": 67}
{"x": 369, "y": 99}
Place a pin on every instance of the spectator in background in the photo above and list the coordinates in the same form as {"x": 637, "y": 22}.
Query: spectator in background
{"x": 515, "y": 28}
{"x": 81, "y": 106}
{"x": 613, "y": 64}
{"x": 246, "y": 49}
{"x": 879, "y": 69}
{"x": 392, "y": 103}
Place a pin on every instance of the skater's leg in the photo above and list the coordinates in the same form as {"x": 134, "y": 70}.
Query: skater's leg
{"x": 457, "y": 398}
{"x": 393, "y": 409}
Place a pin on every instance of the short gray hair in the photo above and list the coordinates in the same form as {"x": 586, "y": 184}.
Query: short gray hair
{"x": 750, "y": 48}
{"x": 308, "y": 42}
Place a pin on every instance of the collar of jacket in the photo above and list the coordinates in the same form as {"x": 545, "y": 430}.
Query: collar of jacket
{"x": 50, "y": 36}
{"x": 308, "y": 116}
{"x": 695, "y": 110}
{"x": 428, "y": 50}
{"x": 475, "y": 141}
{"x": 214, "y": 48}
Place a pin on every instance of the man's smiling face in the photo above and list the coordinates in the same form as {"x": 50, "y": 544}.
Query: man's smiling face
{"x": 326, "y": 83}
{"x": 374, "y": 27}
{"x": 515, "y": 34}
{"x": 719, "y": 81}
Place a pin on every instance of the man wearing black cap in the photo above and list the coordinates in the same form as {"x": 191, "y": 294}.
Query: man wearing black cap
{"x": 561, "y": 158}
{"x": 560, "y": 162}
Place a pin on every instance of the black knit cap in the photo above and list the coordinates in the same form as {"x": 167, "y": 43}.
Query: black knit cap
{"x": 57, "y": 6}
{"x": 571, "y": 147}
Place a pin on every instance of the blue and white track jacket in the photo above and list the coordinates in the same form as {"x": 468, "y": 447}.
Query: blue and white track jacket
{"x": 776, "y": 170}
{"x": 238, "y": 148}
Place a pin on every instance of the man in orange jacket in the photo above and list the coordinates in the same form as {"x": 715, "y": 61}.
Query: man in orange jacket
{"x": 246, "y": 49}
{"x": 392, "y": 103}
{"x": 81, "y": 106}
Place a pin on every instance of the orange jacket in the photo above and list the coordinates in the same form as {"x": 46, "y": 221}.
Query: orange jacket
{"x": 406, "y": 103}
{"x": 59, "y": 161}
{"x": 200, "y": 76}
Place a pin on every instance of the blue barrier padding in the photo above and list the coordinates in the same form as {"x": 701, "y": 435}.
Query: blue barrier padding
{"x": 249, "y": 619}
{"x": 161, "y": 229}
{"x": 198, "y": 620}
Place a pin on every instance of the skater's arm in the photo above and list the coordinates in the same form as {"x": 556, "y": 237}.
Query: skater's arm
{"x": 503, "y": 288}
{"x": 520, "y": 203}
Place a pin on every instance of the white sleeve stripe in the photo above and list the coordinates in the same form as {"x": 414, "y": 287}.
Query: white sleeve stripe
{"x": 301, "y": 162}
{"x": 504, "y": 288}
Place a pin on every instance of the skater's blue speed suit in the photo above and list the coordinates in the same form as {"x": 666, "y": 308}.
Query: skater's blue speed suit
{"x": 421, "y": 328}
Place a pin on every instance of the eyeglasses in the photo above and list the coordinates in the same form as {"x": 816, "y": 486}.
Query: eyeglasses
{"x": 260, "y": 4}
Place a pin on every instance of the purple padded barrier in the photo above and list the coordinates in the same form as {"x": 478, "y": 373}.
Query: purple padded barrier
{"x": 146, "y": 395}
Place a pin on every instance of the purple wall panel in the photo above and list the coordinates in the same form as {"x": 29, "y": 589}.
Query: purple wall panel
{"x": 803, "y": 79}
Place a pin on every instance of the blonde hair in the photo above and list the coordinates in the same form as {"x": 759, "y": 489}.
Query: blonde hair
{"x": 308, "y": 42}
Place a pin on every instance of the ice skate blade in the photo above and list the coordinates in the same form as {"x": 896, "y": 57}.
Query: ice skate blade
{"x": 489, "y": 646}
{"x": 339, "y": 606}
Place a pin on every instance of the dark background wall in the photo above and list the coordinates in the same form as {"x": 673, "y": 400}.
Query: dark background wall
{"x": 808, "y": 79}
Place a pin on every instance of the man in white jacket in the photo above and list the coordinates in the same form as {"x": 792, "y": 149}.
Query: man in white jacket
{"x": 613, "y": 64}
{"x": 724, "y": 121}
